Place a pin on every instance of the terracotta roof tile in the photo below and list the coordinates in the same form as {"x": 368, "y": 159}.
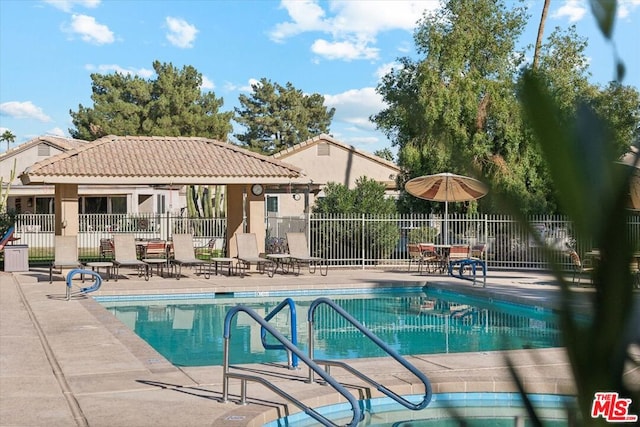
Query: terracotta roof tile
{"x": 187, "y": 160}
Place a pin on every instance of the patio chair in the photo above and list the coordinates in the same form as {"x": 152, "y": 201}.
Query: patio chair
{"x": 299, "y": 254}
{"x": 125, "y": 255}
{"x": 155, "y": 249}
{"x": 106, "y": 248}
{"x": 215, "y": 247}
{"x": 431, "y": 259}
{"x": 247, "y": 246}
{"x": 185, "y": 255}
{"x": 415, "y": 256}
{"x": 65, "y": 254}
{"x": 580, "y": 267}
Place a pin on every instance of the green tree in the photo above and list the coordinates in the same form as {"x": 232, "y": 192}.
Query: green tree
{"x": 455, "y": 109}
{"x": 9, "y": 137}
{"x": 593, "y": 190}
{"x": 367, "y": 198}
{"x": 172, "y": 104}
{"x": 385, "y": 153}
{"x": 277, "y": 117}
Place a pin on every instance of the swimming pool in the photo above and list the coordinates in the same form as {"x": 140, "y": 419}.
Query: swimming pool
{"x": 187, "y": 329}
{"x": 476, "y": 409}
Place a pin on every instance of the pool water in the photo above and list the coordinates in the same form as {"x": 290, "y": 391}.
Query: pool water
{"x": 447, "y": 410}
{"x": 188, "y": 330}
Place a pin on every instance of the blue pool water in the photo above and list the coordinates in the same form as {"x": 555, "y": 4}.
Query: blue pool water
{"x": 188, "y": 329}
{"x": 472, "y": 409}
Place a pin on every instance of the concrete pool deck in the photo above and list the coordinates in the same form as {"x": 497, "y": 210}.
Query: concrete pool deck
{"x": 66, "y": 363}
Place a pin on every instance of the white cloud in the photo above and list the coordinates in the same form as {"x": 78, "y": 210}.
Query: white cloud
{"x": 57, "y": 132}
{"x": 207, "y": 84}
{"x": 109, "y": 68}
{"x": 181, "y": 33}
{"x": 89, "y": 30}
{"x": 352, "y": 25}
{"x": 385, "y": 69}
{"x": 572, "y": 9}
{"x": 345, "y": 50}
{"x": 627, "y": 7}
{"x": 249, "y": 86}
{"x": 355, "y": 106}
{"x": 67, "y": 5}
{"x": 23, "y": 110}
{"x": 306, "y": 16}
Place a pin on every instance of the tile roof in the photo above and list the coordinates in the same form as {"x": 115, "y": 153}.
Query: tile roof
{"x": 326, "y": 138}
{"x": 55, "y": 141}
{"x": 159, "y": 160}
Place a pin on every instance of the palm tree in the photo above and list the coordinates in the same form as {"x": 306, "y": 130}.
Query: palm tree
{"x": 543, "y": 18}
{"x": 9, "y": 137}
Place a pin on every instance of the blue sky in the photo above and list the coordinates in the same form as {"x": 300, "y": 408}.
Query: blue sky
{"x": 340, "y": 49}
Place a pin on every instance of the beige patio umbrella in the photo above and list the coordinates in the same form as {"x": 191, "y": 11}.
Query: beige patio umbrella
{"x": 446, "y": 187}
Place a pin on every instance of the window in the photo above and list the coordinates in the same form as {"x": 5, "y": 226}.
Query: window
{"x": 118, "y": 204}
{"x": 94, "y": 205}
{"x": 272, "y": 204}
{"x": 44, "y": 205}
{"x": 102, "y": 205}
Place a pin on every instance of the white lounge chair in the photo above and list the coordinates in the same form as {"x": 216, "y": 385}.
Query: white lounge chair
{"x": 247, "y": 245}
{"x": 185, "y": 254}
{"x": 65, "y": 254}
{"x": 299, "y": 254}
{"x": 126, "y": 255}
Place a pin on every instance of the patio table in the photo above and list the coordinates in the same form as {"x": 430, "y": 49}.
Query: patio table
{"x": 160, "y": 264}
{"x": 281, "y": 261}
{"x": 97, "y": 265}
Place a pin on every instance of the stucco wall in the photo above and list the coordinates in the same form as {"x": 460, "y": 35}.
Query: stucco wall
{"x": 340, "y": 165}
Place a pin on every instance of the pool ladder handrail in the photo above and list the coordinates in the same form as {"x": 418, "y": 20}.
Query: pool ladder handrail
{"x": 226, "y": 375}
{"x": 391, "y": 352}
{"x": 84, "y": 290}
{"x": 292, "y": 358}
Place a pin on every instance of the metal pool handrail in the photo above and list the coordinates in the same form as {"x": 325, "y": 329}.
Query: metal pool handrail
{"x": 404, "y": 402}
{"x": 357, "y": 413}
{"x": 94, "y": 286}
{"x": 293, "y": 359}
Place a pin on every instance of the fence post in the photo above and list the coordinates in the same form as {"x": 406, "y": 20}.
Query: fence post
{"x": 362, "y": 240}
{"x": 486, "y": 235}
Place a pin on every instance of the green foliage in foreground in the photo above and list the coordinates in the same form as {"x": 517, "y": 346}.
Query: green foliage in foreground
{"x": 593, "y": 190}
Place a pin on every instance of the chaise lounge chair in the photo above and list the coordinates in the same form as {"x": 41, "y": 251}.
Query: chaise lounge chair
{"x": 299, "y": 254}
{"x": 125, "y": 255}
{"x": 65, "y": 254}
{"x": 185, "y": 254}
{"x": 247, "y": 245}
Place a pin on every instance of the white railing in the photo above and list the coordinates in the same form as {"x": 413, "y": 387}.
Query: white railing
{"x": 362, "y": 241}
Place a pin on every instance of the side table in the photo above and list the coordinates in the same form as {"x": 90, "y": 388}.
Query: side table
{"x": 160, "y": 263}
{"x": 282, "y": 261}
{"x": 223, "y": 261}
{"x": 97, "y": 265}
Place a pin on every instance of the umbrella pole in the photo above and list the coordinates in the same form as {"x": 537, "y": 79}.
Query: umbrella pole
{"x": 446, "y": 222}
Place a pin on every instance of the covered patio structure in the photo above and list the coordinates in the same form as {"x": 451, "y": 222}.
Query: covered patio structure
{"x": 169, "y": 161}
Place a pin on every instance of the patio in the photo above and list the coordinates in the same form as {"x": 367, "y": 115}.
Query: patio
{"x": 114, "y": 378}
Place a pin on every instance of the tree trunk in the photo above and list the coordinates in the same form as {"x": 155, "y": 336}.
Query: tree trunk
{"x": 543, "y": 18}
